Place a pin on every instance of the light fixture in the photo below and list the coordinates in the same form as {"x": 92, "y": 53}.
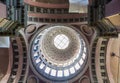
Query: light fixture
{"x": 113, "y": 54}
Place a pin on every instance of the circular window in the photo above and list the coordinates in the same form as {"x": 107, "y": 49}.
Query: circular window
{"x": 58, "y": 53}
{"x": 61, "y": 41}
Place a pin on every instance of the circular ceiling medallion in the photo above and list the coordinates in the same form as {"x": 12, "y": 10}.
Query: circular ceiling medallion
{"x": 58, "y": 53}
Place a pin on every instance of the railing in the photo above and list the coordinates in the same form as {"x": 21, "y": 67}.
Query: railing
{"x": 24, "y": 66}
{"x": 52, "y": 1}
{"x": 18, "y": 71}
{"x": 98, "y": 61}
{"x": 57, "y": 20}
{"x": 102, "y": 60}
{"x": 35, "y": 9}
{"x": 93, "y": 67}
{"x": 15, "y": 62}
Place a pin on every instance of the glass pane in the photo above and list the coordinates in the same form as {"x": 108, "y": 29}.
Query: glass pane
{"x": 66, "y": 72}
{"x": 35, "y": 48}
{"x": 41, "y": 65}
{"x": 77, "y": 66}
{"x": 59, "y": 73}
{"x": 36, "y": 41}
{"x": 84, "y": 55}
{"x": 47, "y": 70}
{"x": 36, "y": 54}
{"x": 72, "y": 70}
{"x": 81, "y": 61}
{"x": 85, "y": 49}
{"x": 38, "y": 60}
{"x": 53, "y": 72}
